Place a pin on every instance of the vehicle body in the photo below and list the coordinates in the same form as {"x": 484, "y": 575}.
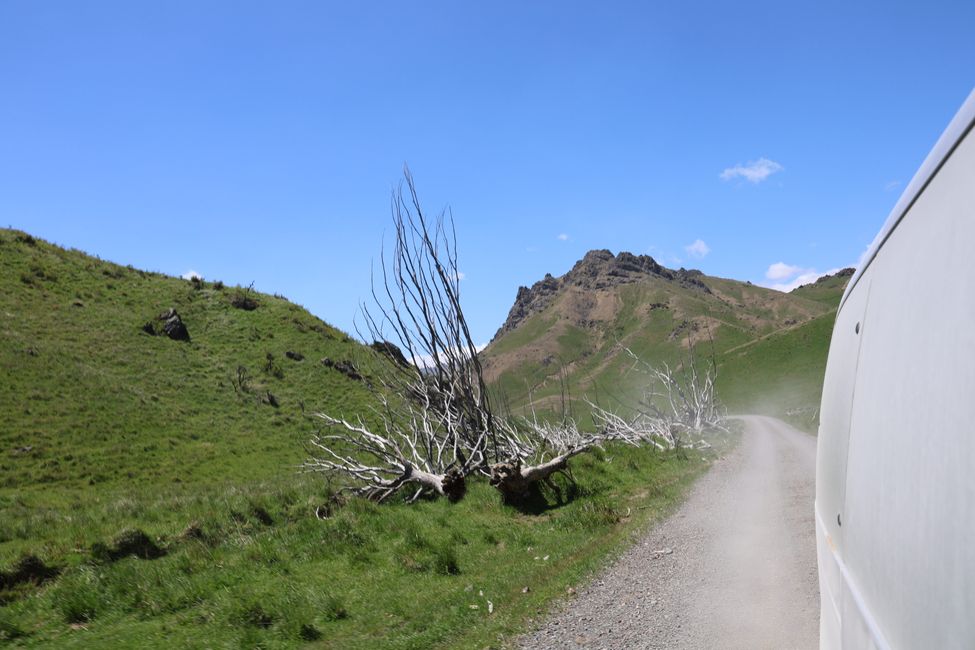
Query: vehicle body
{"x": 895, "y": 475}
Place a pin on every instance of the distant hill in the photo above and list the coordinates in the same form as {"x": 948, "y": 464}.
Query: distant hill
{"x": 93, "y": 390}
{"x": 563, "y": 336}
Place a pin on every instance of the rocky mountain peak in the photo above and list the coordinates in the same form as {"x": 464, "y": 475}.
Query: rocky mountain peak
{"x": 598, "y": 270}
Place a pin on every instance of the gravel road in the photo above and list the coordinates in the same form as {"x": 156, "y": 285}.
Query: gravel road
{"x": 734, "y": 567}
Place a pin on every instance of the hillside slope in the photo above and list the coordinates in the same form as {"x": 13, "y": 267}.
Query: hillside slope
{"x": 149, "y": 495}
{"x": 781, "y": 374}
{"x": 564, "y": 336}
{"x": 89, "y": 397}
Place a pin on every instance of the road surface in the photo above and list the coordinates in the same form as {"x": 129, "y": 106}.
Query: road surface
{"x": 734, "y": 567}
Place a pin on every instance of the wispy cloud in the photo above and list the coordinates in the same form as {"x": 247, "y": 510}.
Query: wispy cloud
{"x": 755, "y": 171}
{"x": 890, "y": 186}
{"x": 563, "y": 237}
{"x": 189, "y": 275}
{"x": 461, "y": 275}
{"x": 697, "y": 249}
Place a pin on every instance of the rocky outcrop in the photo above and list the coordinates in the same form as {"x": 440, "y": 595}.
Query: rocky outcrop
{"x": 392, "y": 351}
{"x": 598, "y": 270}
{"x": 172, "y": 326}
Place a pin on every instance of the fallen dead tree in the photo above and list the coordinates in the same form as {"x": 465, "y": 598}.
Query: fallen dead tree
{"x": 438, "y": 424}
{"x": 678, "y": 403}
{"x": 413, "y": 452}
{"x": 534, "y": 451}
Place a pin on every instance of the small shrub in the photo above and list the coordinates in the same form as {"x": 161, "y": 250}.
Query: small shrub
{"x": 218, "y": 285}
{"x": 242, "y": 299}
{"x": 272, "y": 367}
{"x": 270, "y": 399}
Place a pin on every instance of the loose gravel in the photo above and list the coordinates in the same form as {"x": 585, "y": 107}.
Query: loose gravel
{"x": 734, "y": 567}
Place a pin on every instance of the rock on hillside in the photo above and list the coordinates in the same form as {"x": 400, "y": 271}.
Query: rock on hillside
{"x": 597, "y": 270}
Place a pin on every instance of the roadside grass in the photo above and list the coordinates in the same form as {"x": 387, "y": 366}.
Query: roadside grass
{"x": 253, "y": 566}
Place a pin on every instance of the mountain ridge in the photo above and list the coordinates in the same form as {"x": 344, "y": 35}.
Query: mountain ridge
{"x": 566, "y": 334}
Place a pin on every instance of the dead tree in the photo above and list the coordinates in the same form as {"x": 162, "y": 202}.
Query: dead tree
{"x": 533, "y": 451}
{"x": 413, "y": 450}
{"x": 438, "y": 424}
{"x": 437, "y": 418}
{"x": 677, "y": 402}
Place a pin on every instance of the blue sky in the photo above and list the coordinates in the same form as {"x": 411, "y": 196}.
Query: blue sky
{"x": 259, "y": 142}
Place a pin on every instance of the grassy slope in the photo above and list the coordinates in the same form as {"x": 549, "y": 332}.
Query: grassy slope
{"x": 770, "y": 347}
{"x": 531, "y": 355}
{"x": 101, "y": 403}
{"x": 126, "y": 430}
{"x": 781, "y": 374}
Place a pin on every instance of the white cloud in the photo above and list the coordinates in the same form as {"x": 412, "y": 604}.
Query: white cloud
{"x": 783, "y": 271}
{"x": 563, "y": 237}
{"x": 799, "y": 276}
{"x": 461, "y": 275}
{"x": 755, "y": 171}
{"x": 891, "y": 185}
{"x": 697, "y": 249}
{"x": 189, "y": 275}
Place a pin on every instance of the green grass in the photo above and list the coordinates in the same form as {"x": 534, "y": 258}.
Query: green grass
{"x": 110, "y": 434}
{"x": 780, "y": 375}
{"x": 253, "y": 567}
{"x": 89, "y": 399}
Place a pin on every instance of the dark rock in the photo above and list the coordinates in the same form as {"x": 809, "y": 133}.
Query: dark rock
{"x": 173, "y": 326}
{"x": 349, "y": 370}
{"x": 294, "y": 356}
{"x": 345, "y": 367}
{"x": 392, "y": 351}
{"x": 270, "y": 399}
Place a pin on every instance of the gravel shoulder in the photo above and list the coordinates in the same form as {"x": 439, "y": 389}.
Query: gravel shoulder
{"x": 734, "y": 567}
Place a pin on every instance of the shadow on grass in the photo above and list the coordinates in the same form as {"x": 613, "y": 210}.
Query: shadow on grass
{"x": 557, "y": 491}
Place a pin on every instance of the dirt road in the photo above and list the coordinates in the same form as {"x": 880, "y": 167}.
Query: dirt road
{"x": 734, "y": 567}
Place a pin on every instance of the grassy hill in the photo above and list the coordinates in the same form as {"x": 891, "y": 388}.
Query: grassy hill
{"x": 89, "y": 397}
{"x": 564, "y": 335}
{"x": 149, "y": 495}
{"x": 781, "y": 374}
